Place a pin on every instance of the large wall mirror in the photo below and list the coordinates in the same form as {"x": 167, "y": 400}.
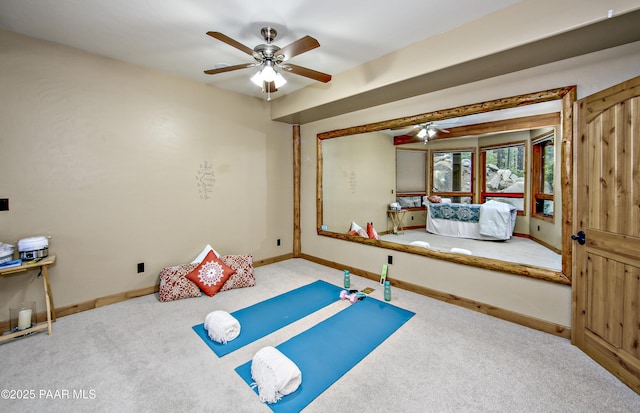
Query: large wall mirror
{"x": 363, "y": 169}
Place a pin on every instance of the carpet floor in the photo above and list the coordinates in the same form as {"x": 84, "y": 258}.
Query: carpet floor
{"x": 142, "y": 356}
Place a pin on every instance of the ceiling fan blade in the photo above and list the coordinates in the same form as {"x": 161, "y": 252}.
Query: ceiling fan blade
{"x": 412, "y": 132}
{"x": 298, "y": 47}
{"x": 306, "y": 72}
{"x": 228, "y": 68}
{"x": 405, "y": 139}
{"x": 228, "y": 40}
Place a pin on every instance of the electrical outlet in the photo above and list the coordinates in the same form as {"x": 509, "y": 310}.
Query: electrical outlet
{"x": 389, "y": 259}
{"x": 278, "y": 242}
{"x": 140, "y": 267}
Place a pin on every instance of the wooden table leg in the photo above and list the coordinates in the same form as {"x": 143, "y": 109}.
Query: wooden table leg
{"x": 45, "y": 275}
{"x": 393, "y": 215}
{"x": 47, "y": 296}
{"x": 400, "y": 220}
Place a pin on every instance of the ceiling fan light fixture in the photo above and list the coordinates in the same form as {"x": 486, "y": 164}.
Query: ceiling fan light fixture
{"x": 279, "y": 80}
{"x": 422, "y": 133}
{"x": 257, "y": 79}
{"x": 268, "y": 74}
{"x": 431, "y": 132}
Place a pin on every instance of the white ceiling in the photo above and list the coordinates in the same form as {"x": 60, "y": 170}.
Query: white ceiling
{"x": 170, "y": 35}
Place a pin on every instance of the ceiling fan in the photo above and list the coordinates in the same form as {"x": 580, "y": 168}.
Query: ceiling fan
{"x": 272, "y": 60}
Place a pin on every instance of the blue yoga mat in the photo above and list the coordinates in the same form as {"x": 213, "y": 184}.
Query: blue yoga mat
{"x": 267, "y": 316}
{"x": 325, "y": 352}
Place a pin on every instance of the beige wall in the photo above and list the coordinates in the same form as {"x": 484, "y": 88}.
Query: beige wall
{"x": 539, "y": 299}
{"x": 359, "y": 179}
{"x": 104, "y": 157}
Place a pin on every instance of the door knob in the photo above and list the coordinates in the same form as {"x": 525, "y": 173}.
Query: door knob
{"x": 580, "y": 237}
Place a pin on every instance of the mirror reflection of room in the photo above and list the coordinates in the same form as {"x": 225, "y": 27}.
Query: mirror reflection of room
{"x": 489, "y": 195}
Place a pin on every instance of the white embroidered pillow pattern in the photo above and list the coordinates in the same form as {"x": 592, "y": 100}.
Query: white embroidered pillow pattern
{"x": 174, "y": 285}
{"x": 243, "y": 264}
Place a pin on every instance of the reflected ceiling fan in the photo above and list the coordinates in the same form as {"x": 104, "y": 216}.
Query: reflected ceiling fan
{"x": 272, "y": 60}
{"x": 426, "y": 131}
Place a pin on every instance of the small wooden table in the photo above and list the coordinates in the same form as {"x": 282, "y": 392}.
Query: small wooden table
{"x": 51, "y": 311}
{"x": 396, "y": 215}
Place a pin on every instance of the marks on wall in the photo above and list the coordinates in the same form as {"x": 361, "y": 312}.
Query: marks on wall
{"x": 205, "y": 179}
{"x": 353, "y": 181}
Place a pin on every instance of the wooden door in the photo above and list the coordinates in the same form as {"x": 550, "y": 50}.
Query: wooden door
{"x": 606, "y": 273}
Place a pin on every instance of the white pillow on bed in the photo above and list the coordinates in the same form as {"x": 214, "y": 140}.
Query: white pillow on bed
{"x": 204, "y": 253}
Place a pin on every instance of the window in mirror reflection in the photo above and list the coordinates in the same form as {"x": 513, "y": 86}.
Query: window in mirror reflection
{"x": 504, "y": 178}
{"x": 452, "y": 175}
{"x": 411, "y": 178}
{"x": 543, "y": 169}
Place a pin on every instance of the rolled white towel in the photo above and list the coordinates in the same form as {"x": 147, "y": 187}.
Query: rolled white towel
{"x": 422, "y": 244}
{"x": 274, "y": 374}
{"x": 461, "y": 251}
{"x": 221, "y": 326}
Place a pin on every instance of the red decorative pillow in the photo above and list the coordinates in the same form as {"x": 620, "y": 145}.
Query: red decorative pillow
{"x": 211, "y": 274}
{"x": 174, "y": 285}
{"x": 371, "y": 231}
{"x": 243, "y": 266}
{"x": 353, "y": 232}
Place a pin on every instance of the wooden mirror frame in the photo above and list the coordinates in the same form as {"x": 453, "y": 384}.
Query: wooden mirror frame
{"x": 566, "y": 94}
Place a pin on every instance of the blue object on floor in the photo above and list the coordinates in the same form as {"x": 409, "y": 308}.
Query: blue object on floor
{"x": 265, "y": 317}
{"x": 325, "y": 352}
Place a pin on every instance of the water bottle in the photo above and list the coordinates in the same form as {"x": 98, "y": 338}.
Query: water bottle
{"x": 387, "y": 291}
{"x": 347, "y": 279}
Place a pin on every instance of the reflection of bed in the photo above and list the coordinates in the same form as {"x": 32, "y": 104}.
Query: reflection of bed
{"x": 489, "y": 221}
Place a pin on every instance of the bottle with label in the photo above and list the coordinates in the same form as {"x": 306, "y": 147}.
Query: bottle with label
{"x": 387, "y": 291}
{"x": 347, "y": 279}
